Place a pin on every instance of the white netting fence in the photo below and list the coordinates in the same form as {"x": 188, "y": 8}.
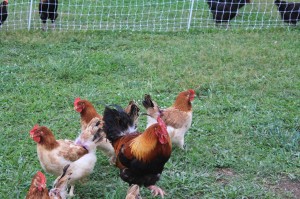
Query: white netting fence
{"x": 139, "y": 15}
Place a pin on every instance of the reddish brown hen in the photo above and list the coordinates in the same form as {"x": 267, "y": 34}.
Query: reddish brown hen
{"x": 38, "y": 188}
{"x": 178, "y": 117}
{"x": 87, "y": 113}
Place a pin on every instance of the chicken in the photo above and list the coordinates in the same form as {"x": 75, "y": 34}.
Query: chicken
{"x": 290, "y": 12}
{"x": 3, "y": 11}
{"x": 55, "y": 154}
{"x": 87, "y": 112}
{"x": 133, "y": 192}
{"x": 223, "y": 12}
{"x": 38, "y": 189}
{"x": 48, "y": 10}
{"x": 178, "y": 117}
{"x": 140, "y": 156}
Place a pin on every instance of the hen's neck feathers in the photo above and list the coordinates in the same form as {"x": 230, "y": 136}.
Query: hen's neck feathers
{"x": 34, "y": 193}
{"x": 48, "y": 140}
{"x": 88, "y": 113}
{"x": 182, "y": 104}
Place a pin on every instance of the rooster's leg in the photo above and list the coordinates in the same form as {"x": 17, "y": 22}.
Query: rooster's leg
{"x": 156, "y": 191}
{"x": 71, "y": 193}
{"x": 53, "y": 25}
{"x": 44, "y": 28}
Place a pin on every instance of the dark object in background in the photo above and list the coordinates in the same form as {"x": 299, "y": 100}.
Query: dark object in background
{"x": 48, "y": 10}
{"x": 290, "y": 12}
{"x": 225, "y": 10}
{"x": 3, "y": 11}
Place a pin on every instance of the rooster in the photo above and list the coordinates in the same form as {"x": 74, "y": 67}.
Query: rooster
{"x": 178, "y": 117}
{"x": 140, "y": 156}
{"x": 289, "y": 11}
{"x": 225, "y": 11}
{"x": 48, "y": 10}
{"x": 3, "y": 11}
{"x": 87, "y": 112}
{"x": 133, "y": 192}
{"x": 38, "y": 188}
{"x": 55, "y": 154}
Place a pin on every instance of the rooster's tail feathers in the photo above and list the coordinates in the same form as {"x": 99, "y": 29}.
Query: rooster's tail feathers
{"x": 117, "y": 123}
{"x": 148, "y": 103}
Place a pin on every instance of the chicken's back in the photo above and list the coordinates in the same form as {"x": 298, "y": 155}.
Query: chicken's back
{"x": 224, "y": 11}
{"x": 289, "y": 11}
{"x": 53, "y": 161}
{"x": 48, "y": 10}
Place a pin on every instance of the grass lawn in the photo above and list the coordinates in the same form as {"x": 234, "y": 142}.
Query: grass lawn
{"x": 245, "y": 136}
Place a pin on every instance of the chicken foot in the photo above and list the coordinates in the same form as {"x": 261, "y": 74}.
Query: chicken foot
{"x": 155, "y": 190}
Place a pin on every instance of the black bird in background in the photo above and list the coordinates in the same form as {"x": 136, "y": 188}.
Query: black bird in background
{"x": 3, "y": 11}
{"x": 48, "y": 10}
{"x": 290, "y": 12}
{"x": 225, "y": 10}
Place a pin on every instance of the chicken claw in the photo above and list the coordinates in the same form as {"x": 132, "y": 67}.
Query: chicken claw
{"x": 155, "y": 190}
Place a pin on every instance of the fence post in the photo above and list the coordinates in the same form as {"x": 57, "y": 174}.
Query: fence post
{"x": 30, "y": 14}
{"x": 190, "y": 16}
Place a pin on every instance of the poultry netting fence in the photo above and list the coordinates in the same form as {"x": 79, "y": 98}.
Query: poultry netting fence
{"x": 143, "y": 15}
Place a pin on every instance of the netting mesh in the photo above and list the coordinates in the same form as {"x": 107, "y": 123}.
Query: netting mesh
{"x": 139, "y": 15}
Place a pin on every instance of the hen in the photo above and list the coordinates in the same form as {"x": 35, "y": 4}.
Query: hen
{"x": 38, "y": 188}
{"x": 223, "y": 12}
{"x": 87, "y": 113}
{"x": 140, "y": 156}
{"x": 54, "y": 154}
{"x": 48, "y": 10}
{"x": 178, "y": 117}
{"x": 289, "y": 11}
{"x": 3, "y": 11}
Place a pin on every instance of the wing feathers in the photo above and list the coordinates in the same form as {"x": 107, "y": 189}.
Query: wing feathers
{"x": 71, "y": 151}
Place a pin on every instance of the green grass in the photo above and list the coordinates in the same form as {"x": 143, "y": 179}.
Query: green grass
{"x": 245, "y": 133}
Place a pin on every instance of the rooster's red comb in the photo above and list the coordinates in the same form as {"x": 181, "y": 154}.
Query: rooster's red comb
{"x": 76, "y": 101}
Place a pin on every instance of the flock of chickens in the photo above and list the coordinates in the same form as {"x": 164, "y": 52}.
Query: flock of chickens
{"x": 139, "y": 156}
{"x": 222, "y": 10}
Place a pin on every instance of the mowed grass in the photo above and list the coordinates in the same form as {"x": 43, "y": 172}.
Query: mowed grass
{"x": 244, "y": 139}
